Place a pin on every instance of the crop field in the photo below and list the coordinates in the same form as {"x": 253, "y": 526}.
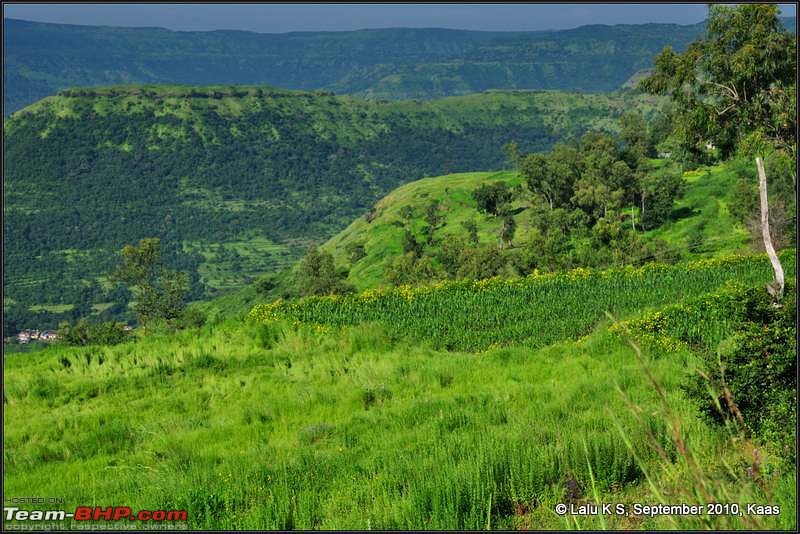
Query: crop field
{"x": 535, "y": 311}
{"x": 227, "y": 265}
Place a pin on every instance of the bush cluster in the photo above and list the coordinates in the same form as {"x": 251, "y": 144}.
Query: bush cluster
{"x": 91, "y": 333}
{"x": 748, "y": 345}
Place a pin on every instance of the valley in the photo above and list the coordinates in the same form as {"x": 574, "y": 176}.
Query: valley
{"x": 236, "y": 181}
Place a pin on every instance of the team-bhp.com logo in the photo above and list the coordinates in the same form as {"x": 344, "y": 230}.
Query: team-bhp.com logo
{"x": 87, "y": 513}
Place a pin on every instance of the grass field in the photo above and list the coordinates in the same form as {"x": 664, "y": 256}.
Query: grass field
{"x": 280, "y": 425}
{"x": 55, "y": 308}
{"x": 702, "y": 225}
{"x": 348, "y": 431}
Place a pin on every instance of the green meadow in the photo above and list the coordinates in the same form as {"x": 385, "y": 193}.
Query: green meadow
{"x": 282, "y": 424}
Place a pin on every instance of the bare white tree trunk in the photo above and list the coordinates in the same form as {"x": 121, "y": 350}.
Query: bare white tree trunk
{"x": 773, "y": 257}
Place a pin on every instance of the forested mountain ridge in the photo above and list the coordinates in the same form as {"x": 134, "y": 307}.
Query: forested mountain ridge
{"x": 40, "y": 59}
{"x": 237, "y": 181}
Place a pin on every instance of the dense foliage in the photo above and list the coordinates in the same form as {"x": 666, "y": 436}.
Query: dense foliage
{"x": 86, "y": 332}
{"x": 537, "y": 310}
{"x": 749, "y": 356}
{"x": 737, "y": 81}
{"x": 40, "y": 59}
{"x": 580, "y": 207}
{"x": 212, "y": 171}
{"x": 159, "y": 292}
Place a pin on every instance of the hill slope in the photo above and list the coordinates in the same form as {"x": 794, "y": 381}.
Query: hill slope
{"x": 700, "y": 225}
{"x": 40, "y": 59}
{"x": 237, "y": 180}
{"x": 273, "y": 426}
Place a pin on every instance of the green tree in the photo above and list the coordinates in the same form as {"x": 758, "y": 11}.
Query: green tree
{"x": 317, "y": 274}
{"x": 433, "y": 220}
{"x": 482, "y": 262}
{"x": 432, "y": 216}
{"x": 408, "y": 269}
{"x": 659, "y": 189}
{"x": 449, "y": 254}
{"x": 597, "y": 190}
{"x": 159, "y": 292}
{"x": 565, "y": 166}
{"x": 635, "y": 134}
{"x": 511, "y": 151}
{"x": 507, "y": 231}
{"x": 551, "y": 176}
{"x": 738, "y": 79}
{"x": 492, "y": 198}
{"x": 410, "y": 244}
{"x": 265, "y": 284}
{"x": 538, "y": 177}
{"x": 471, "y": 227}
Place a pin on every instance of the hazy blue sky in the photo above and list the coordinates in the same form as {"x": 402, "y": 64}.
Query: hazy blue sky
{"x": 299, "y": 17}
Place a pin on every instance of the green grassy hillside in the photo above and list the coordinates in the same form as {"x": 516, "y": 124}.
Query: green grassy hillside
{"x": 250, "y": 425}
{"x": 381, "y": 236}
{"x": 700, "y": 225}
{"x": 236, "y": 181}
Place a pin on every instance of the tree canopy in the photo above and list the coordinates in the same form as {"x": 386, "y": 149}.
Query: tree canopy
{"x": 159, "y": 292}
{"x": 736, "y": 82}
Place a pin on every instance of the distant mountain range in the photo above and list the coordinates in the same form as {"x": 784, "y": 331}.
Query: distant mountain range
{"x": 39, "y": 59}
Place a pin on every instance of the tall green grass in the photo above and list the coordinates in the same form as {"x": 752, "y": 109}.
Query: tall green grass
{"x": 280, "y": 425}
{"x": 535, "y": 311}
{"x": 264, "y": 426}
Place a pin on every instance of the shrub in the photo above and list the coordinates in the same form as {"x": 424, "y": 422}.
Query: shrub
{"x": 192, "y": 318}
{"x": 314, "y": 433}
{"x": 375, "y": 396}
{"x": 86, "y": 333}
{"x": 265, "y": 284}
{"x": 356, "y": 251}
{"x": 408, "y": 269}
{"x": 759, "y": 363}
